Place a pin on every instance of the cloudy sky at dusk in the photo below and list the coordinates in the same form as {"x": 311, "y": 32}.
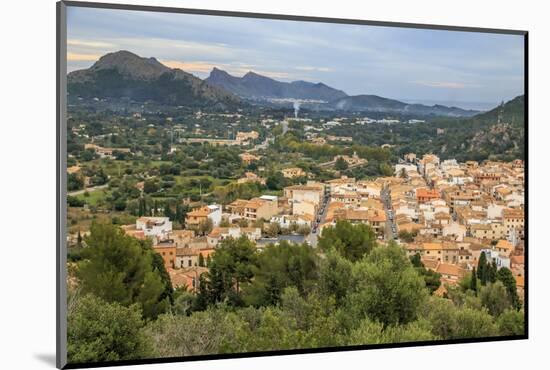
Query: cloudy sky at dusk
{"x": 472, "y": 69}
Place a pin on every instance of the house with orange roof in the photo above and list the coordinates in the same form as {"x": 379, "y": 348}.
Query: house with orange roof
{"x": 200, "y": 215}
{"x": 513, "y": 220}
{"x": 504, "y": 246}
{"x": 167, "y": 250}
{"x": 263, "y": 207}
{"x": 520, "y": 286}
{"x": 251, "y": 177}
{"x": 244, "y": 137}
{"x": 517, "y": 264}
{"x": 105, "y": 152}
{"x": 424, "y": 195}
{"x": 293, "y": 172}
{"x": 348, "y": 198}
{"x": 450, "y": 273}
{"x": 373, "y": 217}
{"x": 187, "y": 277}
{"x": 189, "y": 257}
{"x": 248, "y": 158}
{"x": 132, "y": 231}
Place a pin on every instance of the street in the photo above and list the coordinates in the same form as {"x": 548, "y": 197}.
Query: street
{"x": 318, "y": 221}
{"x": 390, "y": 228}
{"x": 93, "y": 188}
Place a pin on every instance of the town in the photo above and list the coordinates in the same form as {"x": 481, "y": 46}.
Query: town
{"x": 447, "y": 212}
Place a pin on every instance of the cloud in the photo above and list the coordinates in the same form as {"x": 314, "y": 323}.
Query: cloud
{"x": 90, "y": 44}
{"x": 236, "y": 69}
{"x": 313, "y": 69}
{"x": 77, "y": 57}
{"x": 274, "y": 74}
{"x": 197, "y": 67}
{"x": 445, "y": 85}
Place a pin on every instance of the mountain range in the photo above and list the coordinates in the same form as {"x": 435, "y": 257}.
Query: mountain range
{"x": 125, "y": 75}
{"x": 256, "y": 86}
{"x": 374, "y": 103}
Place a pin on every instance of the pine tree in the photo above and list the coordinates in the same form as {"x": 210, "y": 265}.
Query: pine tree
{"x": 79, "y": 240}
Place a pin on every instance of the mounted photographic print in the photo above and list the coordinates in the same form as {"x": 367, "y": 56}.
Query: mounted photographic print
{"x": 237, "y": 184}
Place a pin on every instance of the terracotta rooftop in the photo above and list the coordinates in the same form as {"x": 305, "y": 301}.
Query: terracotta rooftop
{"x": 448, "y": 269}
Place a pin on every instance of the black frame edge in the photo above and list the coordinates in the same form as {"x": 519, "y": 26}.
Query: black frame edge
{"x": 61, "y": 247}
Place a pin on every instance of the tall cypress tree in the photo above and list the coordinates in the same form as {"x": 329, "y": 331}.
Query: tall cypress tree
{"x": 141, "y": 208}
{"x": 507, "y": 278}
{"x": 201, "y": 260}
{"x": 473, "y": 281}
{"x": 492, "y": 272}
{"x": 179, "y": 213}
{"x": 482, "y": 268}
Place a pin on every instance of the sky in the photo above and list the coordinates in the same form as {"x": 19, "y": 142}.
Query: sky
{"x": 467, "y": 69}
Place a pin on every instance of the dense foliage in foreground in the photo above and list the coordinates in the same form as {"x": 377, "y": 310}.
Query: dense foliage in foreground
{"x": 285, "y": 297}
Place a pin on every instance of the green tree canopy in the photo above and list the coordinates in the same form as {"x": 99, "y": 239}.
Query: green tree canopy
{"x": 371, "y": 332}
{"x": 280, "y": 266}
{"x": 449, "y": 321}
{"x": 511, "y": 322}
{"x": 341, "y": 164}
{"x": 335, "y": 276}
{"x": 386, "y": 287}
{"x": 230, "y": 267}
{"x": 119, "y": 268}
{"x": 495, "y": 298}
{"x": 350, "y": 241}
{"x": 101, "y": 331}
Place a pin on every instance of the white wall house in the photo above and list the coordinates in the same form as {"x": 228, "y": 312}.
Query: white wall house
{"x": 404, "y": 166}
{"x": 456, "y": 230}
{"x": 500, "y": 259}
{"x": 221, "y": 233}
{"x": 494, "y": 211}
{"x": 215, "y": 214}
{"x": 285, "y": 221}
{"x": 156, "y": 227}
